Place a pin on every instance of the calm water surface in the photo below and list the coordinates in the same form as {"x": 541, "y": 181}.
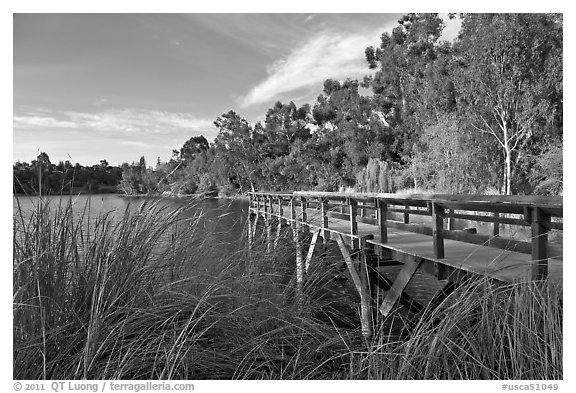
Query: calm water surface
{"x": 222, "y": 220}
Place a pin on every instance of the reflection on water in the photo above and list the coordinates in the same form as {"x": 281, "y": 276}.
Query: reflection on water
{"x": 222, "y": 220}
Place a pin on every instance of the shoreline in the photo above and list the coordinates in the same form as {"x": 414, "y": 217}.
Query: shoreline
{"x": 155, "y": 196}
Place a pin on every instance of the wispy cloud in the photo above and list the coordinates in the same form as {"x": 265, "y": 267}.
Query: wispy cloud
{"x": 327, "y": 54}
{"x": 134, "y": 143}
{"x": 127, "y": 121}
{"x": 35, "y": 121}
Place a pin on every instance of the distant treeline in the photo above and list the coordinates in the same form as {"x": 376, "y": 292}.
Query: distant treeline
{"x": 41, "y": 176}
{"x": 481, "y": 114}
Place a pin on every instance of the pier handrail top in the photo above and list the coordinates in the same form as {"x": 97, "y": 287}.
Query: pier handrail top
{"x": 273, "y": 193}
{"x": 530, "y": 200}
{"x": 516, "y": 204}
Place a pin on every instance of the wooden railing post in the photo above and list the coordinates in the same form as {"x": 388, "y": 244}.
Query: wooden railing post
{"x": 353, "y": 206}
{"x": 250, "y": 213}
{"x": 437, "y": 229}
{"x": 268, "y": 222}
{"x": 280, "y": 218}
{"x": 271, "y": 203}
{"x": 451, "y": 223}
{"x": 382, "y": 212}
{"x": 280, "y": 208}
{"x": 324, "y": 215}
{"x": 304, "y": 206}
{"x": 540, "y": 223}
{"x": 406, "y": 216}
{"x": 496, "y": 228}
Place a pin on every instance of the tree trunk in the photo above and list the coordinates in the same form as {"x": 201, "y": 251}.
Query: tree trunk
{"x": 508, "y": 174}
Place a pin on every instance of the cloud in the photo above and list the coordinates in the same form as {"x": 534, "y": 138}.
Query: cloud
{"x": 309, "y": 18}
{"x": 41, "y": 122}
{"x": 327, "y": 54}
{"x": 134, "y": 143}
{"x": 126, "y": 121}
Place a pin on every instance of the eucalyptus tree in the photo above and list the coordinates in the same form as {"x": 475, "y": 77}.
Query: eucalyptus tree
{"x": 237, "y": 155}
{"x": 401, "y": 83}
{"x": 509, "y": 83}
{"x": 349, "y": 131}
{"x": 191, "y": 148}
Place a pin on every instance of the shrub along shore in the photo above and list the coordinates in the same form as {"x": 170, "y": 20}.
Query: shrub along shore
{"x": 134, "y": 298}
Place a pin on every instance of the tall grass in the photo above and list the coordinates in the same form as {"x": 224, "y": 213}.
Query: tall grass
{"x": 147, "y": 295}
{"x": 484, "y": 331}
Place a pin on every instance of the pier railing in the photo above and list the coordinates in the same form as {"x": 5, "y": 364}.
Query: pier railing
{"x": 541, "y": 214}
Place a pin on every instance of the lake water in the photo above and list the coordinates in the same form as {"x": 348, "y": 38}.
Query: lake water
{"x": 221, "y": 220}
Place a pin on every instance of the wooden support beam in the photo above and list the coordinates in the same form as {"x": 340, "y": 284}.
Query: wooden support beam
{"x": 437, "y": 229}
{"x": 269, "y": 241}
{"x": 410, "y": 266}
{"x": 365, "y": 270}
{"x": 371, "y": 260}
{"x": 278, "y": 232}
{"x": 406, "y": 300}
{"x": 362, "y": 287}
{"x": 250, "y": 234}
{"x": 315, "y": 237}
{"x": 255, "y": 225}
{"x": 299, "y": 261}
{"x": 299, "y": 268}
{"x": 265, "y": 213}
{"x": 496, "y": 225}
{"x": 540, "y": 222}
{"x": 349, "y": 262}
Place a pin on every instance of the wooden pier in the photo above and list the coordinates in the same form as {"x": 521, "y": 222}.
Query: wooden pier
{"x": 374, "y": 231}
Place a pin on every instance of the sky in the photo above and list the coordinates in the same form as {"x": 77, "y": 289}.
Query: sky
{"x": 88, "y": 87}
